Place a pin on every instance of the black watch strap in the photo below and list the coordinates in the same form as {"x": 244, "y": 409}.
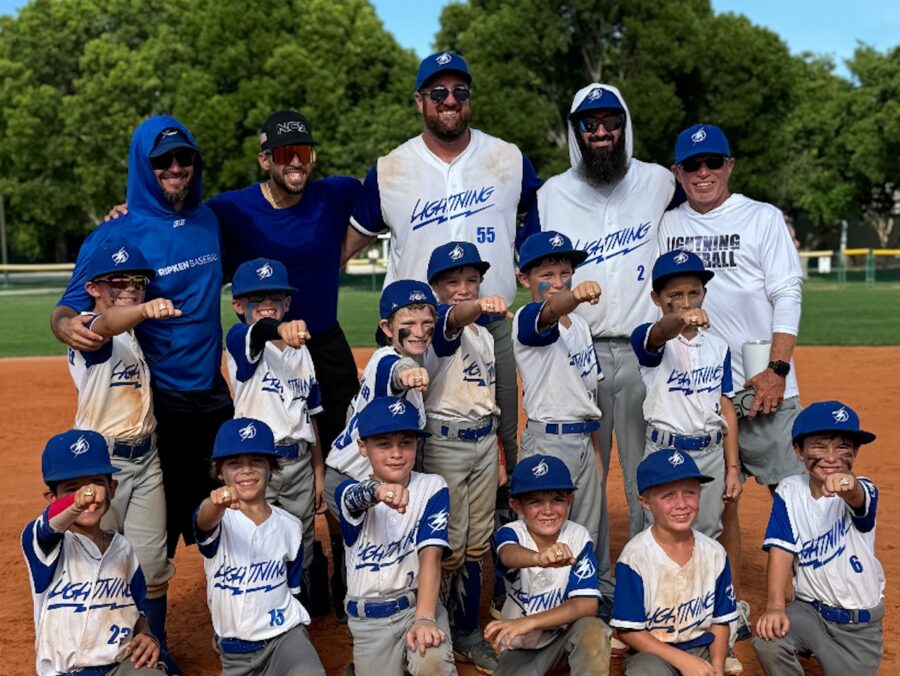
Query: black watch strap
{"x": 781, "y": 368}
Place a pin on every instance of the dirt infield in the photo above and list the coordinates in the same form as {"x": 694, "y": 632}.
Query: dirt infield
{"x": 38, "y": 400}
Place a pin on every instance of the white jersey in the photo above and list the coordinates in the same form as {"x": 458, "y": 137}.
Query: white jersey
{"x": 534, "y": 590}
{"x": 616, "y": 226}
{"x": 376, "y": 382}
{"x": 833, "y": 545}
{"x": 757, "y": 288}
{"x": 676, "y": 604}
{"x": 559, "y": 368}
{"x": 276, "y": 386}
{"x": 685, "y": 382}
{"x": 425, "y": 202}
{"x": 462, "y": 376}
{"x": 382, "y": 546}
{"x": 85, "y": 603}
{"x": 252, "y": 575}
{"x": 113, "y": 383}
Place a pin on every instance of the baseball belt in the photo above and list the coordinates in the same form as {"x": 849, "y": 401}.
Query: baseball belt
{"x": 290, "y": 450}
{"x": 132, "y": 449}
{"x": 842, "y": 615}
{"x": 361, "y": 608}
{"x": 471, "y": 430}
{"x": 91, "y": 671}
{"x": 585, "y": 427}
{"x": 680, "y": 441}
{"x": 238, "y": 646}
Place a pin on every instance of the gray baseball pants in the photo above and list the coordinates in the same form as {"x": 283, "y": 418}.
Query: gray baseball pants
{"x": 585, "y": 645}
{"x": 507, "y": 391}
{"x": 294, "y": 490}
{"x": 766, "y": 451}
{"x": 290, "y": 654}
{"x": 648, "y": 664}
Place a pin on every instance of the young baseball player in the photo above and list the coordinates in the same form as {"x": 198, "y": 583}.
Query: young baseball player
{"x": 462, "y": 446}
{"x": 395, "y": 531}
{"x": 552, "y": 593}
{"x": 115, "y": 399}
{"x": 86, "y": 583}
{"x": 274, "y": 381}
{"x": 822, "y": 527}
{"x": 559, "y": 368}
{"x": 674, "y": 599}
{"x": 253, "y": 557}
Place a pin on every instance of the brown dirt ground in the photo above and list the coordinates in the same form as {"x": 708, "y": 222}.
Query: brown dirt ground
{"x": 38, "y": 400}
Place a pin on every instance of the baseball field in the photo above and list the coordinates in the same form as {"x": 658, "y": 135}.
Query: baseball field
{"x": 38, "y": 400}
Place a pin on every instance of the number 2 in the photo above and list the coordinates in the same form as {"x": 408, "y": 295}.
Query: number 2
{"x": 855, "y": 564}
{"x": 116, "y": 632}
{"x": 640, "y": 270}
{"x": 485, "y": 234}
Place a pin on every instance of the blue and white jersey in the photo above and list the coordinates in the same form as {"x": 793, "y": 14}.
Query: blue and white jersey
{"x": 685, "y": 382}
{"x": 113, "y": 383}
{"x": 252, "y": 574}
{"x": 533, "y": 590}
{"x": 676, "y": 604}
{"x": 425, "y": 202}
{"x": 559, "y": 368}
{"x": 376, "y": 382}
{"x": 276, "y": 386}
{"x": 86, "y": 603}
{"x": 833, "y": 544}
{"x": 382, "y": 546}
{"x": 462, "y": 374}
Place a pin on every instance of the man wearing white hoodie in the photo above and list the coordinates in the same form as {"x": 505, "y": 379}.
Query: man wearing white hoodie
{"x": 610, "y": 205}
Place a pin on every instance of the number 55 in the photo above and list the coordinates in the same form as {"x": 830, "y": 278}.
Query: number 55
{"x": 484, "y": 234}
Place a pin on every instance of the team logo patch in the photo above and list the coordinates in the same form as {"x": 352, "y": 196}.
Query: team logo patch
{"x": 699, "y": 136}
{"x": 556, "y": 240}
{"x": 397, "y": 408}
{"x": 840, "y": 415}
{"x": 292, "y": 126}
{"x": 265, "y": 271}
{"x": 417, "y": 297}
{"x": 456, "y": 253}
{"x": 120, "y": 256}
{"x": 443, "y": 59}
{"x": 80, "y": 446}
{"x": 681, "y": 258}
{"x": 247, "y": 432}
{"x": 594, "y": 94}
{"x": 676, "y": 459}
{"x": 584, "y": 569}
{"x": 438, "y": 521}
{"x": 540, "y": 469}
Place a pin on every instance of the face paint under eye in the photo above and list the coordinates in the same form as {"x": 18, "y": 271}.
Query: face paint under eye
{"x": 568, "y": 283}
{"x": 403, "y": 335}
{"x": 543, "y": 288}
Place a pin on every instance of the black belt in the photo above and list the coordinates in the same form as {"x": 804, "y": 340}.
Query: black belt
{"x": 380, "y": 608}
{"x": 841, "y": 615}
{"x": 133, "y": 449}
{"x": 682, "y": 442}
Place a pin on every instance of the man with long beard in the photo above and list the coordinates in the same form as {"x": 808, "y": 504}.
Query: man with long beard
{"x": 610, "y": 205}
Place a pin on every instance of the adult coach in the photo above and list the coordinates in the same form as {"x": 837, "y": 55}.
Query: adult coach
{"x": 610, "y": 205}
{"x": 452, "y": 182}
{"x": 180, "y": 239}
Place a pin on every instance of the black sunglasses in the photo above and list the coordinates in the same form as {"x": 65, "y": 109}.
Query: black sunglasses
{"x": 712, "y": 163}
{"x": 184, "y": 157}
{"x": 440, "y": 93}
{"x": 610, "y": 122}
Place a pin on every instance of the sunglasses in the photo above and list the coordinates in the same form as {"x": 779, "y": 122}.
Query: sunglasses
{"x": 440, "y": 93}
{"x": 286, "y": 154}
{"x": 712, "y": 163}
{"x": 122, "y": 282}
{"x": 610, "y": 122}
{"x": 274, "y": 296}
{"x": 184, "y": 157}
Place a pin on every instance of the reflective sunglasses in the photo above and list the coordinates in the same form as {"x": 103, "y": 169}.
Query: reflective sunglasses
{"x": 184, "y": 157}
{"x": 285, "y": 154}
{"x": 440, "y": 93}
{"x": 274, "y": 296}
{"x": 712, "y": 163}
{"x": 122, "y": 282}
{"x": 610, "y": 122}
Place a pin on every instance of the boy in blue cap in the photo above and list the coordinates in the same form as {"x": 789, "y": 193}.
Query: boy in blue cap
{"x": 274, "y": 380}
{"x": 674, "y": 598}
{"x": 549, "y": 616}
{"x": 822, "y": 527}
{"x": 253, "y": 558}
{"x": 87, "y": 585}
{"x": 394, "y": 524}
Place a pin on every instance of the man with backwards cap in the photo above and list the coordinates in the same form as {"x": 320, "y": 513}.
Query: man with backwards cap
{"x": 451, "y": 182}
{"x": 610, "y": 204}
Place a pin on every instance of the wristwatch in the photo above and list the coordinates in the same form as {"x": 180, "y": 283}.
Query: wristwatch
{"x": 781, "y": 368}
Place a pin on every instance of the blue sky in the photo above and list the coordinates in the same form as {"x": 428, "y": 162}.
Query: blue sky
{"x": 832, "y": 27}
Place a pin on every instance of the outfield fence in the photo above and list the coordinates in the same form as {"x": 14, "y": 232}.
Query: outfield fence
{"x": 854, "y": 265}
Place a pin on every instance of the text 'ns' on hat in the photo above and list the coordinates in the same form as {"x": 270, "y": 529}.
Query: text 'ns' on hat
{"x": 286, "y": 128}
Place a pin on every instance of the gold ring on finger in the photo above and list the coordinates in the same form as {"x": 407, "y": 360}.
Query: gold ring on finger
{"x": 226, "y": 494}
{"x": 845, "y": 481}
{"x": 162, "y": 306}
{"x": 390, "y": 495}
{"x": 88, "y": 492}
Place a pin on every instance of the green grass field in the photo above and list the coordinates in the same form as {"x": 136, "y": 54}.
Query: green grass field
{"x": 832, "y": 315}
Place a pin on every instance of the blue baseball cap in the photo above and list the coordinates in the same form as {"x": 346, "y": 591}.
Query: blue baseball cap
{"x": 171, "y": 139}
{"x": 701, "y": 139}
{"x": 389, "y": 414}
{"x": 115, "y": 256}
{"x": 548, "y": 243}
{"x": 438, "y": 63}
{"x": 260, "y": 274}
{"x": 598, "y": 98}
{"x": 663, "y": 467}
{"x": 540, "y": 473}
{"x": 244, "y": 435}
{"x": 74, "y": 454}
{"x": 399, "y": 294}
{"x": 829, "y": 416}
{"x": 675, "y": 263}
{"x": 454, "y": 255}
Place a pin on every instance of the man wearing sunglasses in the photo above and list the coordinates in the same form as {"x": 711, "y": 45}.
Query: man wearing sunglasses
{"x": 179, "y": 237}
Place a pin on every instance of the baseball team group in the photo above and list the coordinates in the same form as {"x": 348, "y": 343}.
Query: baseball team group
{"x": 646, "y": 286}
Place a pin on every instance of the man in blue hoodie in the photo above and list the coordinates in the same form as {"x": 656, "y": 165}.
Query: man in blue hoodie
{"x": 180, "y": 239}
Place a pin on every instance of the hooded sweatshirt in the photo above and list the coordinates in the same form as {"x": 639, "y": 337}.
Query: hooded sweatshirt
{"x": 184, "y": 353}
{"x": 617, "y": 225}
